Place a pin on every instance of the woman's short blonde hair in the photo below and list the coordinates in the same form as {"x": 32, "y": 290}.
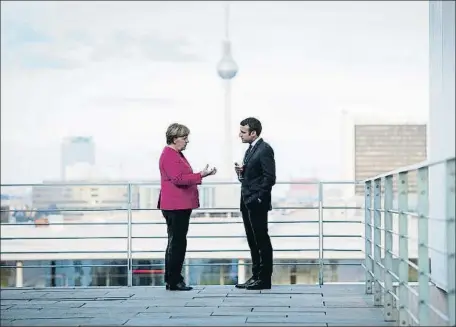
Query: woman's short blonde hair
{"x": 174, "y": 131}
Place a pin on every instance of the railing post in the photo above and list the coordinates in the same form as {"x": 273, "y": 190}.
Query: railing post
{"x": 377, "y": 242}
{"x": 320, "y": 234}
{"x": 241, "y": 271}
{"x": 129, "y": 240}
{"x": 403, "y": 248}
{"x": 388, "y": 236}
{"x": 19, "y": 274}
{"x": 450, "y": 239}
{"x": 368, "y": 235}
{"x": 187, "y": 270}
{"x": 423, "y": 246}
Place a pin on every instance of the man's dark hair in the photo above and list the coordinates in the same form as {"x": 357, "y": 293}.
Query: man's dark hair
{"x": 253, "y": 124}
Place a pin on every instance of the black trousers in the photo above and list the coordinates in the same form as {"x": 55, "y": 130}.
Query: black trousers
{"x": 177, "y": 222}
{"x": 255, "y": 217}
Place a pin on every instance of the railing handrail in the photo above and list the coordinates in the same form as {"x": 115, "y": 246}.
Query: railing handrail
{"x": 409, "y": 168}
{"x": 157, "y": 183}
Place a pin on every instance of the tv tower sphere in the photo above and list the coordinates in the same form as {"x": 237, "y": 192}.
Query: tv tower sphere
{"x": 227, "y": 67}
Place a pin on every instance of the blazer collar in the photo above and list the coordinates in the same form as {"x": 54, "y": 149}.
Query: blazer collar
{"x": 254, "y": 148}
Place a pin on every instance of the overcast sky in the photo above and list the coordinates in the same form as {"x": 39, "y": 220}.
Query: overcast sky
{"x": 122, "y": 71}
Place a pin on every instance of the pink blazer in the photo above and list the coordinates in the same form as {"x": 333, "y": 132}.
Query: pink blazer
{"x": 178, "y": 182}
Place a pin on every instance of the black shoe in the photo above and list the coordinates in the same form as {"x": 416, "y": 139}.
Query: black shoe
{"x": 180, "y": 287}
{"x": 249, "y": 281}
{"x": 167, "y": 284}
{"x": 259, "y": 285}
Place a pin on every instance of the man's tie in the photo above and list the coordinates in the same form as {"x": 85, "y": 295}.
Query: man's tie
{"x": 247, "y": 153}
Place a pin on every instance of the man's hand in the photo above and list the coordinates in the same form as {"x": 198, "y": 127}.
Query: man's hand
{"x": 238, "y": 169}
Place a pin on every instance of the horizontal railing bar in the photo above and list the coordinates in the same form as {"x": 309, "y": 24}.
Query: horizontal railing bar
{"x": 221, "y": 209}
{"x": 235, "y": 263}
{"x": 162, "y": 251}
{"x": 227, "y": 236}
{"x": 394, "y": 295}
{"x": 157, "y": 183}
{"x": 396, "y": 277}
{"x": 436, "y": 250}
{"x": 341, "y": 207}
{"x": 410, "y": 238}
{"x": 407, "y": 261}
{"x": 65, "y": 210}
{"x": 236, "y": 209}
{"x": 378, "y": 263}
{"x": 393, "y": 254}
{"x": 437, "y": 311}
{"x": 64, "y": 238}
{"x": 411, "y": 315}
{"x": 382, "y": 285}
{"x": 369, "y": 271}
{"x": 218, "y": 209}
{"x": 341, "y": 250}
{"x": 63, "y": 252}
{"x": 423, "y": 164}
{"x": 62, "y": 266}
{"x": 411, "y": 264}
{"x": 410, "y": 289}
{"x": 165, "y": 237}
{"x": 221, "y": 222}
{"x": 191, "y": 222}
{"x": 342, "y": 221}
{"x": 224, "y": 209}
{"x": 414, "y": 292}
{"x": 229, "y": 250}
{"x": 70, "y": 184}
{"x": 63, "y": 224}
{"x": 411, "y": 214}
{"x": 341, "y": 235}
{"x": 241, "y": 222}
{"x": 414, "y": 239}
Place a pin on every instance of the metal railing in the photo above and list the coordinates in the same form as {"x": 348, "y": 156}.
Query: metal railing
{"x": 392, "y": 290}
{"x": 134, "y": 227}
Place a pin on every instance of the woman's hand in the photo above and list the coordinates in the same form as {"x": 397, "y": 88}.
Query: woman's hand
{"x": 208, "y": 172}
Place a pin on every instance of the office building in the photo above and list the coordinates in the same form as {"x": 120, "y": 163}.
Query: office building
{"x": 76, "y": 150}
{"x": 385, "y": 147}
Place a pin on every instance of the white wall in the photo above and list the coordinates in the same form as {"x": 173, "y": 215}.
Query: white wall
{"x": 441, "y": 121}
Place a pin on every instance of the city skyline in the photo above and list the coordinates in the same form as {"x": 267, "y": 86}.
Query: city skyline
{"x": 302, "y": 64}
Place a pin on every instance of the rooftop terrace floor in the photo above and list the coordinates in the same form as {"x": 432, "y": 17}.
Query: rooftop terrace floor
{"x": 287, "y": 305}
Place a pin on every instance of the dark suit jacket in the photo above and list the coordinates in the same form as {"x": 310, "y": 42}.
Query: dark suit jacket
{"x": 259, "y": 175}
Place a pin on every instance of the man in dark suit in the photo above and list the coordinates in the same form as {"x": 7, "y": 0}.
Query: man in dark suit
{"x": 257, "y": 175}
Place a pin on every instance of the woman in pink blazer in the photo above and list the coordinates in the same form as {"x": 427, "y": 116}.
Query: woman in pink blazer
{"x": 178, "y": 197}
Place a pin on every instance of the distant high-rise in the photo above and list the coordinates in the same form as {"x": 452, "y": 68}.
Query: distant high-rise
{"x": 380, "y": 148}
{"x": 374, "y": 143}
{"x": 76, "y": 150}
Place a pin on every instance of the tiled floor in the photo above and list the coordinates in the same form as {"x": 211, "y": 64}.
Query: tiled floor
{"x": 294, "y": 305}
